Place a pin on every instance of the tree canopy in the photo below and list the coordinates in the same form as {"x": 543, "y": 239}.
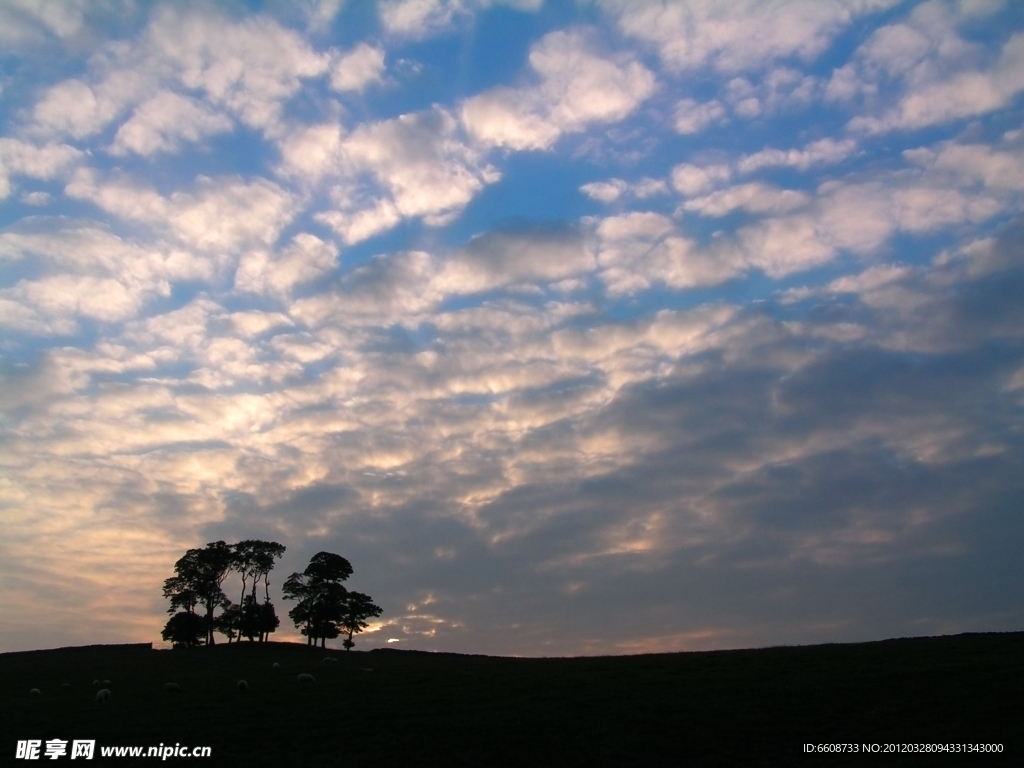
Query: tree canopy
{"x": 357, "y": 608}
{"x": 253, "y": 559}
{"x": 197, "y": 580}
{"x": 324, "y": 610}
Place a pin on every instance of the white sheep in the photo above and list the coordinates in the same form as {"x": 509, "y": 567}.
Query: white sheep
{"x": 304, "y": 678}
{"x": 172, "y": 687}
{"x": 242, "y": 686}
{"x": 275, "y": 665}
{"x": 106, "y": 682}
{"x": 103, "y": 696}
{"x": 35, "y": 693}
{"x": 330, "y": 660}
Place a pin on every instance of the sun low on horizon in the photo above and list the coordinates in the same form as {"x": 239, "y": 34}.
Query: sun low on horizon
{"x": 578, "y": 328}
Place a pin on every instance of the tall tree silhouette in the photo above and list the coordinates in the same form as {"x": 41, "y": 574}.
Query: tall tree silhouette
{"x": 197, "y": 581}
{"x": 320, "y": 595}
{"x": 254, "y": 559}
{"x": 357, "y": 608}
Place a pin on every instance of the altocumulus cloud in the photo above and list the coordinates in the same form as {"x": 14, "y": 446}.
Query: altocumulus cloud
{"x": 705, "y": 317}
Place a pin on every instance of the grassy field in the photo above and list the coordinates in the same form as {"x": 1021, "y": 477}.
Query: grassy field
{"x": 747, "y": 707}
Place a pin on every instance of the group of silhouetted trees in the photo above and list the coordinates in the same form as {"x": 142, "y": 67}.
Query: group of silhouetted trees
{"x": 325, "y": 609}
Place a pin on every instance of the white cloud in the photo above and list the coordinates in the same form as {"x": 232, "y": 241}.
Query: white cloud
{"x": 755, "y": 198}
{"x": 159, "y": 124}
{"x": 36, "y": 198}
{"x": 613, "y": 189}
{"x": 84, "y": 270}
{"x": 418, "y": 167}
{"x": 937, "y": 74}
{"x": 21, "y": 158}
{"x": 782, "y": 246}
{"x": 871, "y": 279}
{"x": 421, "y": 18}
{"x": 357, "y": 69}
{"x": 103, "y": 299}
{"x": 84, "y": 247}
{"x": 605, "y": 191}
{"x": 184, "y": 329}
{"x": 250, "y": 67}
{"x": 821, "y": 152}
{"x": 79, "y": 110}
{"x": 690, "y": 180}
{"x": 648, "y": 187}
{"x": 417, "y": 18}
{"x": 355, "y": 224}
{"x": 577, "y": 88}
{"x": 856, "y": 217}
{"x": 924, "y": 208}
{"x": 306, "y": 258}
{"x": 220, "y": 215}
{"x": 581, "y": 88}
{"x": 385, "y": 290}
{"x": 780, "y": 88}
{"x": 311, "y": 152}
{"x": 253, "y": 323}
{"x": 301, "y": 347}
{"x": 969, "y": 163}
{"x": 321, "y": 13}
{"x": 637, "y": 250}
{"x": 30, "y": 22}
{"x": 862, "y": 216}
{"x": 738, "y": 36}
{"x": 501, "y": 258}
{"x": 510, "y": 118}
{"x": 693, "y": 117}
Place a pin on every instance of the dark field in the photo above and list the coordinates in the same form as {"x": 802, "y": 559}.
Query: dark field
{"x": 749, "y": 707}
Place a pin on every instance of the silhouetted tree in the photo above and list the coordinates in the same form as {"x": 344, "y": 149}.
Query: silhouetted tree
{"x": 325, "y": 608}
{"x": 249, "y": 624}
{"x": 357, "y": 608}
{"x": 229, "y": 620}
{"x": 320, "y": 595}
{"x": 197, "y": 581}
{"x": 184, "y": 630}
{"x": 268, "y": 620}
{"x": 254, "y": 559}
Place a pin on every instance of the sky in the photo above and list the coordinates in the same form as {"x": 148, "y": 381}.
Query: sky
{"x": 577, "y": 328}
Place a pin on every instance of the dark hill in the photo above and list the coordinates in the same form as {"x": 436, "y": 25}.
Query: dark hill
{"x": 747, "y": 707}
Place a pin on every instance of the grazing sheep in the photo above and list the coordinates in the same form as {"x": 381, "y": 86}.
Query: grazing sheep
{"x": 304, "y": 678}
{"x": 330, "y": 660}
{"x": 103, "y": 696}
{"x": 242, "y": 686}
{"x": 275, "y": 665}
{"x": 106, "y": 682}
{"x": 172, "y": 687}
{"x": 35, "y": 693}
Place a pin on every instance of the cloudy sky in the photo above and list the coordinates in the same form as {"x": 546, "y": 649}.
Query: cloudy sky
{"x": 578, "y": 328}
